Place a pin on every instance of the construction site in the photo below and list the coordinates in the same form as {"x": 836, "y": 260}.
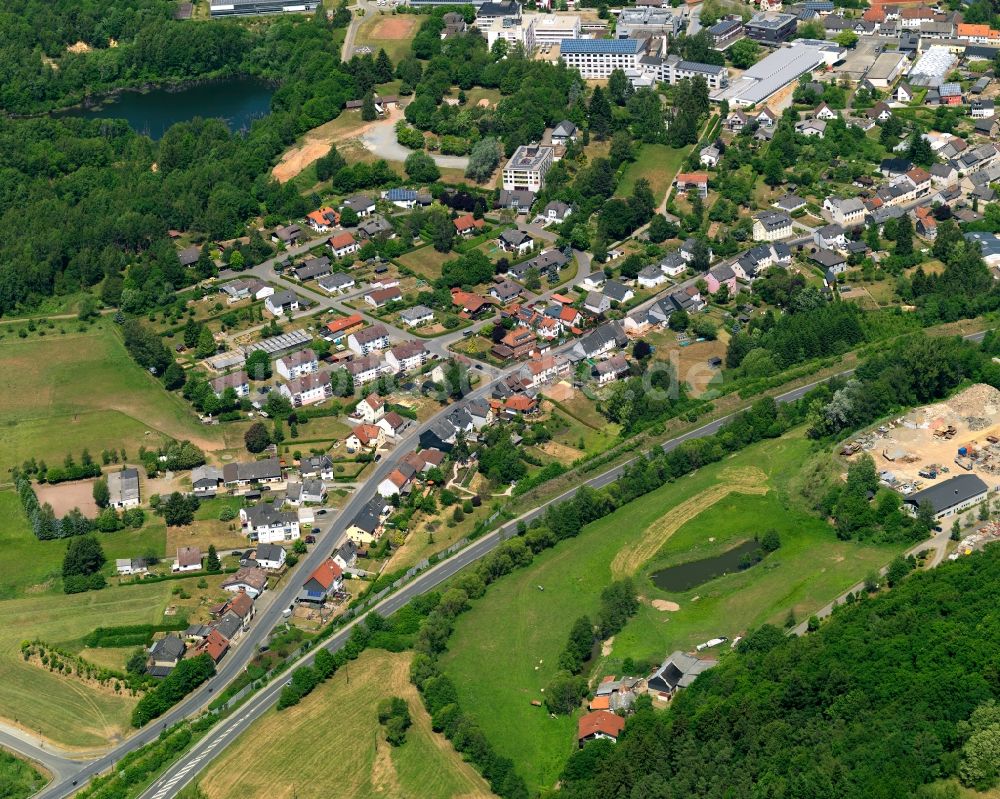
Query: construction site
{"x": 929, "y": 443}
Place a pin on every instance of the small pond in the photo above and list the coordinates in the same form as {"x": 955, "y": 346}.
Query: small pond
{"x": 685, "y": 576}
{"x": 237, "y": 101}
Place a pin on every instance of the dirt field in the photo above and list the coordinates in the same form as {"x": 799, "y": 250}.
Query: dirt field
{"x": 63, "y": 497}
{"x": 629, "y": 560}
{"x": 201, "y": 534}
{"x": 317, "y": 142}
{"x": 560, "y": 392}
{"x": 908, "y": 444}
{"x": 394, "y": 28}
{"x": 561, "y": 452}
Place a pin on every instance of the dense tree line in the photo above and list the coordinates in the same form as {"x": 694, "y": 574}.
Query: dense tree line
{"x": 873, "y": 704}
{"x": 44, "y": 523}
{"x": 186, "y": 676}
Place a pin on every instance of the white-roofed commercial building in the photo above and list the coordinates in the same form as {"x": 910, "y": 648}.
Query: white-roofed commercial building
{"x": 782, "y": 67}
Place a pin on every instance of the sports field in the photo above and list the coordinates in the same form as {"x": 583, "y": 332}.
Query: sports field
{"x": 66, "y": 392}
{"x": 331, "y": 744}
{"x": 390, "y": 32}
{"x": 521, "y": 625}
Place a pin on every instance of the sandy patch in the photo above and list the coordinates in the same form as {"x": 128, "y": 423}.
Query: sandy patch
{"x": 561, "y": 452}
{"x": 63, "y": 497}
{"x": 79, "y": 47}
{"x": 631, "y": 558}
{"x": 394, "y": 28}
{"x": 560, "y": 392}
{"x": 606, "y": 646}
{"x": 666, "y": 605}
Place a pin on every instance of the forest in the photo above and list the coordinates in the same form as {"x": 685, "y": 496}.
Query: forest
{"x": 881, "y": 701}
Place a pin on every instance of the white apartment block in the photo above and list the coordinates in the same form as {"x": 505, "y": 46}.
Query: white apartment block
{"x": 527, "y": 167}
{"x": 598, "y": 58}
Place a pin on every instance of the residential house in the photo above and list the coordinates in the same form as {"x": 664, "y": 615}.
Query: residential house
{"x": 365, "y": 368}
{"x": 982, "y": 109}
{"x": 416, "y": 316}
{"x": 517, "y": 343}
{"x": 673, "y": 265}
{"x": 407, "y": 356}
{"x": 371, "y": 339}
{"x": 401, "y": 198}
{"x": 336, "y": 283}
{"x": 831, "y": 262}
{"x": 215, "y": 645}
{"x": 347, "y": 555}
{"x": 323, "y": 219}
{"x": 709, "y": 156}
{"x": 313, "y": 268}
{"x": 926, "y": 223}
{"x": 237, "y": 381}
{"x": 597, "y": 303}
{"x": 846, "y": 212}
{"x": 188, "y": 560}
{"x": 205, "y": 480}
{"x": 282, "y": 302}
{"x": 361, "y": 204}
{"x": 339, "y": 329}
{"x": 370, "y": 409}
{"x": 366, "y": 526}
{"x": 325, "y": 581}
{"x": 903, "y": 93}
{"x": 270, "y": 556}
{"x": 564, "y": 133}
{"x": 287, "y": 235}
{"x": 505, "y": 292}
{"x": 126, "y": 566}
{"x": 164, "y": 655}
{"x": 123, "y": 488}
{"x": 614, "y": 368}
{"x": 296, "y": 364}
{"x": 811, "y": 127}
{"x": 519, "y": 200}
{"x": 316, "y": 466}
{"x": 251, "y": 580}
{"x": 599, "y": 724}
{"x": 393, "y": 424}
{"x": 687, "y": 250}
{"x": 692, "y": 181}
{"x": 719, "y": 276}
{"x": 556, "y": 212}
{"x": 830, "y": 237}
{"x": 365, "y": 436}
{"x": 397, "y": 481}
{"x": 824, "y": 112}
{"x": 594, "y": 281}
{"x": 618, "y": 292}
{"x": 772, "y": 226}
{"x": 651, "y": 277}
{"x": 382, "y": 297}
{"x": 515, "y": 241}
{"x": 376, "y": 227}
{"x": 603, "y": 339}
{"x": 467, "y": 225}
{"x": 265, "y": 524}
{"x": 307, "y": 389}
{"x": 243, "y": 474}
{"x": 343, "y": 244}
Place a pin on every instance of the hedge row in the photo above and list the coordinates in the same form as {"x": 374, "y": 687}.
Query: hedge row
{"x": 141, "y": 633}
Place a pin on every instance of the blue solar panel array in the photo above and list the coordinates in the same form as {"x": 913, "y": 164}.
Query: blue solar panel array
{"x": 612, "y": 46}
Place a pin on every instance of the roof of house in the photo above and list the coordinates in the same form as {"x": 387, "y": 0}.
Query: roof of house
{"x": 169, "y": 647}
{"x": 341, "y": 240}
{"x": 188, "y": 556}
{"x": 251, "y": 576}
{"x": 600, "y": 722}
{"x": 678, "y": 671}
{"x": 692, "y": 177}
{"x": 269, "y": 468}
{"x": 467, "y": 222}
{"x": 948, "y": 493}
{"x": 269, "y": 552}
{"x": 373, "y": 333}
{"x": 616, "y": 291}
{"x": 343, "y": 324}
{"x": 366, "y": 433}
{"x": 415, "y": 313}
{"x": 326, "y": 574}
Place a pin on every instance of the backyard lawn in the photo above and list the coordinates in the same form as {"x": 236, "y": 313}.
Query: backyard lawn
{"x": 333, "y": 738}
{"x": 68, "y": 392}
{"x": 521, "y": 625}
{"x": 658, "y": 163}
{"x": 426, "y": 262}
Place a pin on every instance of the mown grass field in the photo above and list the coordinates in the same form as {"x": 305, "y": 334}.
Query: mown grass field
{"x": 332, "y": 743}
{"x": 519, "y": 630}
{"x": 63, "y": 708}
{"x": 426, "y": 262}
{"x": 658, "y": 163}
{"x": 390, "y": 32}
{"x": 34, "y": 566}
{"x": 67, "y": 392}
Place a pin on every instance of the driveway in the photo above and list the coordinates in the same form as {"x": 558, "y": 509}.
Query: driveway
{"x": 380, "y": 138}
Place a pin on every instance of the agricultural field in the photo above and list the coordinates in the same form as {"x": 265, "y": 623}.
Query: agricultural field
{"x": 82, "y": 390}
{"x": 392, "y": 33}
{"x": 521, "y": 625}
{"x": 350, "y": 751}
{"x": 34, "y": 567}
{"x": 60, "y": 708}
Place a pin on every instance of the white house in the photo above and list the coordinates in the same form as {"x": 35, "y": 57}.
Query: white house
{"x": 416, "y": 316}
{"x": 407, "y": 356}
{"x": 847, "y": 212}
{"x": 709, "y": 156}
{"x": 188, "y": 560}
{"x": 370, "y": 409}
{"x": 282, "y": 302}
{"x": 296, "y": 364}
{"x": 343, "y": 244}
{"x": 651, "y": 277}
{"x": 597, "y": 302}
{"x": 266, "y": 525}
{"x": 307, "y": 390}
{"x": 371, "y": 339}
{"x": 270, "y": 556}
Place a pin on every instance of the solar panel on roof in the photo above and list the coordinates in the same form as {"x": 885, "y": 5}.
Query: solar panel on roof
{"x": 611, "y": 46}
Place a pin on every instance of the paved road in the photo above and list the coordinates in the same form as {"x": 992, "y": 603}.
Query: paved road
{"x": 58, "y": 762}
